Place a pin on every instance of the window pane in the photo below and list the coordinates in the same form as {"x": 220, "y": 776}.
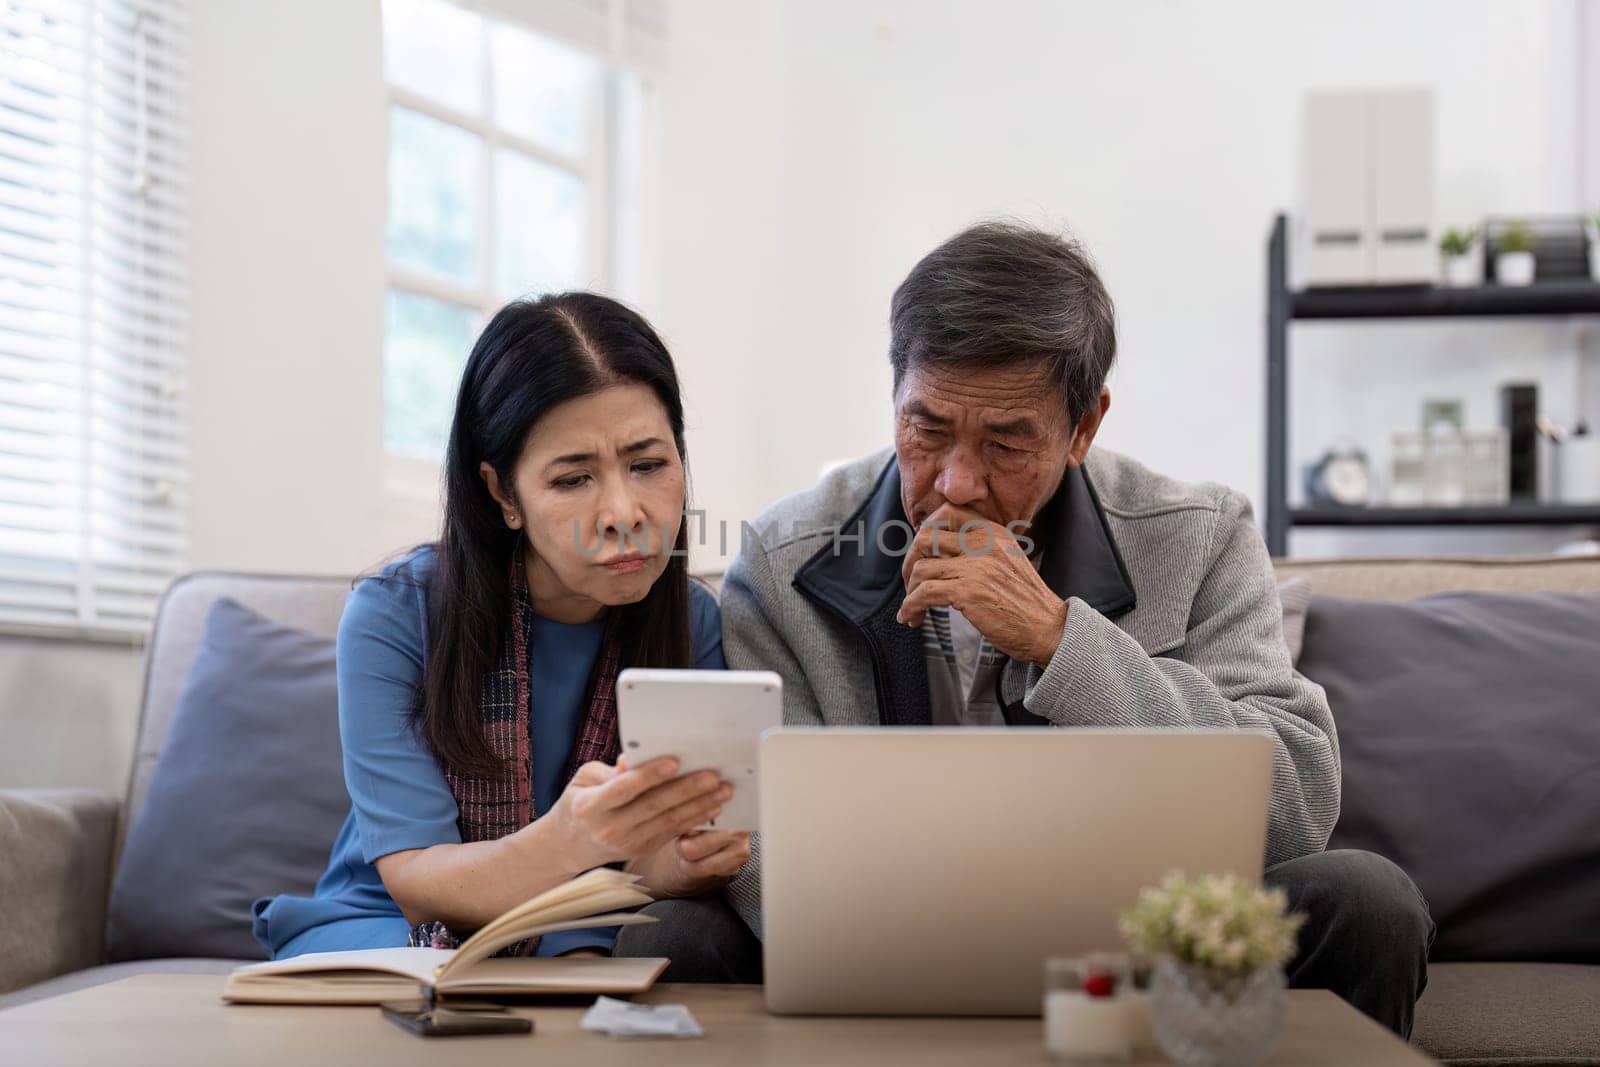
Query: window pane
{"x": 543, "y": 90}
{"x": 426, "y": 342}
{"x": 435, "y": 48}
{"x": 539, "y": 226}
{"x": 433, "y": 196}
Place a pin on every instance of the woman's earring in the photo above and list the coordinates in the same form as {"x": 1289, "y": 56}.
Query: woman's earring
{"x": 513, "y": 520}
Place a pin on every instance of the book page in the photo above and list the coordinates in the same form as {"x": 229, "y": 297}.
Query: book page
{"x": 418, "y": 964}
{"x": 320, "y": 987}
{"x": 573, "y": 905}
{"x": 556, "y": 974}
{"x": 579, "y": 887}
{"x": 600, "y": 890}
{"x": 379, "y": 975}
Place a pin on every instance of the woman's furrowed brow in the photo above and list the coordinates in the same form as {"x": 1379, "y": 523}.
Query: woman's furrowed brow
{"x": 589, "y": 457}
{"x": 570, "y": 457}
{"x": 642, "y": 446}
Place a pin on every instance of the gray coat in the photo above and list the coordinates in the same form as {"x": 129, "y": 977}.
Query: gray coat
{"x": 1173, "y": 620}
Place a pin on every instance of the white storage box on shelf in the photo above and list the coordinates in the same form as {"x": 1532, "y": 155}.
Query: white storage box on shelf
{"x": 1367, "y": 189}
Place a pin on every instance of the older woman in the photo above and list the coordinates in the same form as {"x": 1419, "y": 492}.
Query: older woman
{"x": 477, "y": 675}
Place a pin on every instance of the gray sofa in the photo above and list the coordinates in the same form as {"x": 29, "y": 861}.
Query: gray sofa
{"x": 59, "y": 848}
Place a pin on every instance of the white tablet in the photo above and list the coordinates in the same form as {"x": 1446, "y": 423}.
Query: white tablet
{"x": 708, "y": 720}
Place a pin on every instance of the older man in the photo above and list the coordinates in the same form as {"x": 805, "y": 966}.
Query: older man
{"x": 1050, "y": 582}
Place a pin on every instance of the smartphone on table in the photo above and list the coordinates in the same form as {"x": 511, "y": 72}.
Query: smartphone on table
{"x": 455, "y": 1018}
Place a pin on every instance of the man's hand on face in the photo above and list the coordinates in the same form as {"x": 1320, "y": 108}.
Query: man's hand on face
{"x": 985, "y": 575}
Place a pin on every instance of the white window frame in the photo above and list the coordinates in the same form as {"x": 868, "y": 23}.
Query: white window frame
{"x": 415, "y": 479}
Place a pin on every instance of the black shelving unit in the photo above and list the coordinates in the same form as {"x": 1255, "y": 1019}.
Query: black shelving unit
{"x": 1285, "y": 307}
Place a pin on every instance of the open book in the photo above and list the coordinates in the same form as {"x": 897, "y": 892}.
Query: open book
{"x": 372, "y": 976}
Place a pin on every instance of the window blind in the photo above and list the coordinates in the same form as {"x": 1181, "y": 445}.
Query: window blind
{"x": 92, "y": 311}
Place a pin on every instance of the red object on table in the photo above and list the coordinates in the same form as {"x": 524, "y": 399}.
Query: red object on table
{"x": 1099, "y": 985}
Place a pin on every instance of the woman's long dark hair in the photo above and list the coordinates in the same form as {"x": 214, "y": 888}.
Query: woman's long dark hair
{"x": 532, "y": 356}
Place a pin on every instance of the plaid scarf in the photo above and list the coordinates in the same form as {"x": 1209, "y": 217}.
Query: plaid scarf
{"x": 491, "y": 808}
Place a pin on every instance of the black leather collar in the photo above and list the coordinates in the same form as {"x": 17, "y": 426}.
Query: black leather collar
{"x": 856, "y": 578}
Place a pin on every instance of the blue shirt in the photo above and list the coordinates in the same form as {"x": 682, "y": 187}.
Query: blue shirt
{"x": 399, "y": 798}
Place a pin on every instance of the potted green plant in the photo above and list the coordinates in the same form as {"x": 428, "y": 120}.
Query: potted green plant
{"x": 1458, "y": 250}
{"x": 1513, "y": 261}
{"x": 1219, "y": 944}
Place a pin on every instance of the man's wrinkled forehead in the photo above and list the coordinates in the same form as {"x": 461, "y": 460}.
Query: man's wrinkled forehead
{"x": 1020, "y": 401}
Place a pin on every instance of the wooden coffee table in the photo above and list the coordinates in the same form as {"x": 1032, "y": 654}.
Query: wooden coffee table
{"x": 176, "y": 1019}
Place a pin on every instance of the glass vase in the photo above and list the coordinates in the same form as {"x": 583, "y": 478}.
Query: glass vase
{"x": 1202, "y": 1017}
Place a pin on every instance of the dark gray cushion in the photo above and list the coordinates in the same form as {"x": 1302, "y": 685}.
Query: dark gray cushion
{"x": 1469, "y": 731}
{"x": 245, "y": 800}
{"x": 1512, "y": 1014}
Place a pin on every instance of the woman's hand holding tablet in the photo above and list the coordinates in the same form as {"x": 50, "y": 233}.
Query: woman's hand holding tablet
{"x": 610, "y": 813}
{"x": 707, "y": 720}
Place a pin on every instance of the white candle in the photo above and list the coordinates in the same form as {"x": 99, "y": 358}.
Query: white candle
{"x": 1139, "y": 1033}
{"x": 1080, "y": 1027}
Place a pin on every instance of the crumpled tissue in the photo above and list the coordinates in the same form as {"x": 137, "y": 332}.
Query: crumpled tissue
{"x": 619, "y": 1018}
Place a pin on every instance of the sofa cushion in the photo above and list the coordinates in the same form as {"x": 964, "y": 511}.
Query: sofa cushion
{"x": 1409, "y": 577}
{"x": 245, "y": 800}
{"x": 1517, "y": 1014}
{"x": 1469, "y": 733}
{"x": 1294, "y": 594}
{"x": 310, "y": 604}
{"x": 55, "y": 866}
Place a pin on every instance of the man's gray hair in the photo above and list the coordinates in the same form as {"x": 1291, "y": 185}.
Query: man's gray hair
{"x": 1000, "y": 294}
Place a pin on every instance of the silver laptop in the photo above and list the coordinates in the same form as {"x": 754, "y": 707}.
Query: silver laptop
{"x": 932, "y": 871}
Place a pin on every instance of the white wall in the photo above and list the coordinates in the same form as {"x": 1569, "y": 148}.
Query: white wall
{"x": 805, "y": 154}
{"x": 810, "y": 167}
{"x": 716, "y": 251}
{"x": 288, "y": 158}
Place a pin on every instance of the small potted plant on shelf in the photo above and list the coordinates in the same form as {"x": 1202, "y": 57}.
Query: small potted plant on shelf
{"x": 1462, "y": 267}
{"x": 1513, "y": 261}
{"x": 1219, "y": 944}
